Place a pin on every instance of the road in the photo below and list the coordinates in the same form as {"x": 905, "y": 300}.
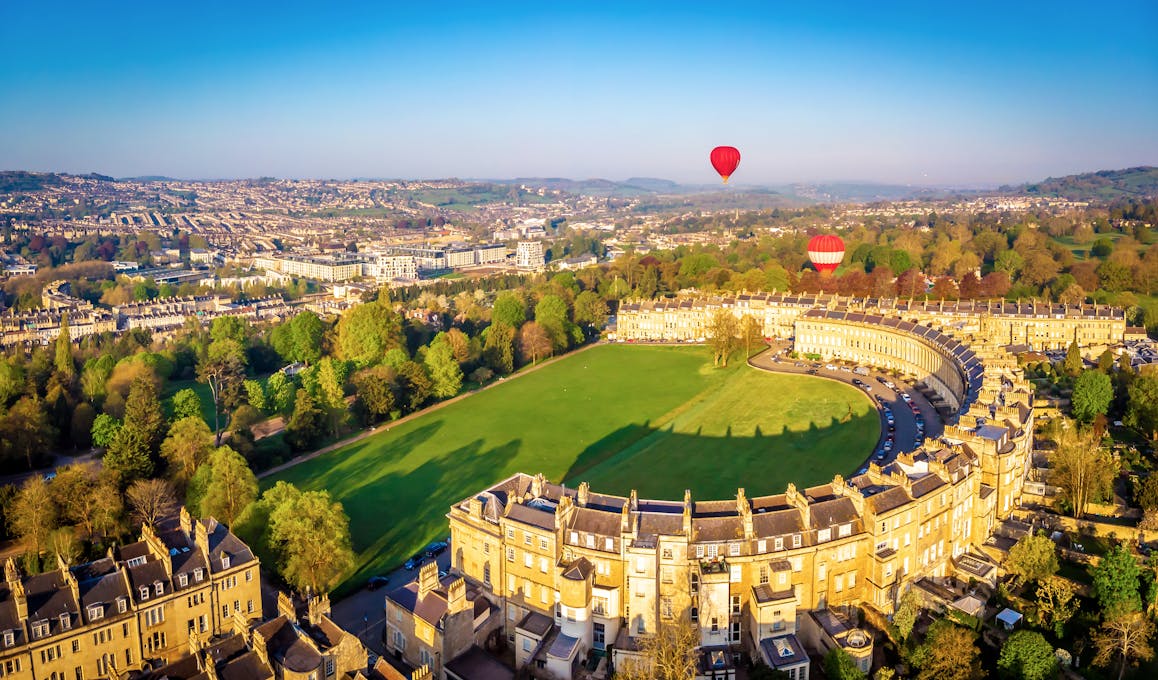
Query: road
{"x": 364, "y": 612}
{"x": 776, "y": 360}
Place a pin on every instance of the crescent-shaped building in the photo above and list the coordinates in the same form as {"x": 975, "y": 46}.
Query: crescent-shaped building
{"x": 567, "y": 570}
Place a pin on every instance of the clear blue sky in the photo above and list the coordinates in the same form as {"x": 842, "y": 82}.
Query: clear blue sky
{"x": 923, "y": 93}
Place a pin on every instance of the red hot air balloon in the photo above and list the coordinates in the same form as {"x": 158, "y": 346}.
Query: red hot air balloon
{"x": 826, "y": 252}
{"x": 724, "y": 160}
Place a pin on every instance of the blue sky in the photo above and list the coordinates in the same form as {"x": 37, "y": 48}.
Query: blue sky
{"x": 922, "y": 93}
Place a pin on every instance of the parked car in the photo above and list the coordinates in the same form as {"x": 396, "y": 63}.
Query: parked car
{"x": 858, "y": 382}
{"x": 377, "y": 582}
{"x": 881, "y": 380}
{"x": 436, "y": 548}
{"x": 414, "y": 562}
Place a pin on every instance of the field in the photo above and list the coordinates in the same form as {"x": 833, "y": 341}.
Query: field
{"x": 657, "y": 419}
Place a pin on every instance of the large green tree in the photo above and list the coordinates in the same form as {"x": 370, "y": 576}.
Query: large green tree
{"x": 129, "y": 456}
{"x": 1142, "y": 405}
{"x": 591, "y": 308}
{"x": 444, "y": 370}
{"x": 948, "y": 653}
{"x": 509, "y": 310}
{"x": 186, "y": 404}
{"x": 187, "y": 445}
{"x": 223, "y": 370}
{"x": 1032, "y": 558}
{"x": 552, "y": 316}
{"x": 1116, "y": 580}
{"x": 311, "y": 532}
{"x": 1081, "y": 466}
{"x": 300, "y": 339}
{"x": 499, "y": 348}
{"x": 375, "y": 388}
{"x": 367, "y": 331}
{"x": 1026, "y": 655}
{"x": 307, "y": 424}
{"x": 1093, "y": 392}
{"x": 232, "y": 485}
{"x": 723, "y": 336}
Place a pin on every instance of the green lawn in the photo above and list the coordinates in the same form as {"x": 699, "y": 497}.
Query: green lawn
{"x": 657, "y": 419}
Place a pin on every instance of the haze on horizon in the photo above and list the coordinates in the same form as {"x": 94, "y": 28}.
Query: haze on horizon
{"x": 904, "y": 93}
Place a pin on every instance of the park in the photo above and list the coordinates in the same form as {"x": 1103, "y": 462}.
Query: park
{"x": 657, "y": 419}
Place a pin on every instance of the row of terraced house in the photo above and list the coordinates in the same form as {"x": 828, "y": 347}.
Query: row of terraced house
{"x": 575, "y": 579}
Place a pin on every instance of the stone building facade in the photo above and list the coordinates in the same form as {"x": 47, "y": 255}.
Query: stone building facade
{"x": 137, "y": 607}
{"x": 574, "y": 570}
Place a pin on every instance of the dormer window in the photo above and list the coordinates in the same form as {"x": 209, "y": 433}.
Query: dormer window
{"x": 198, "y": 573}
{"x": 224, "y": 561}
{"x": 135, "y": 562}
{"x": 144, "y": 592}
{"x": 9, "y": 638}
{"x": 183, "y": 580}
{"x": 95, "y": 612}
{"x": 65, "y": 622}
{"x": 40, "y": 629}
{"x": 122, "y": 605}
{"x": 158, "y": 588}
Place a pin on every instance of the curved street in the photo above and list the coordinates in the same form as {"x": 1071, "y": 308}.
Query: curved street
{"x": 776, "y": 359}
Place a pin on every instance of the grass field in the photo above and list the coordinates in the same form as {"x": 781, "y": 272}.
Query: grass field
{"x": 657, "y": 419}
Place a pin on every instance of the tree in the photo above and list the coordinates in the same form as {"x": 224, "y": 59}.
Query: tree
{"x": 151, "y": 500}
{"x": 80, "y": 427}
{"x": 255, "y": 395}
{"x": 300, "y": 339}
{"x": 330, "y": 392}
{"x": 1092, "y": 395}
{"x": 188, "y": 444}
{"x": 1126, "y": 636}
{"x": 104, "y": 430}
{"x": 367, "y": 331}
{"x": 65, "y": 368}
{"x": 186, "y": 404}
{"x": 375, "y": 389}
{"x": 534, "y": 342}
{"x": 307, "y": 424}
{"x": 280, "y": 391}
{"x": 1115, "y": 583}
{"x": 551, "y": 315}
{"x": 668, "y": 654}
{"x": 128, "y": 456}
{"x": 1073, "y": 361}
{"x": 1142, "y": 409}
{"x": 499, "y": 348}
{"x": 26, "y": 432}
{"x": 508, "y": 310}
{"x": 908, "y": 610}
{"x": 1146, "y": 495}
{"x": 142, "y": 413}
{"x": 1026, "y": 655}
{"x": 1055, "y": 603}
{"x": 1032, "y": 558}
{"x": 312, "y": 534}
{"x": 839, "y": 665}
{"x": 591, "y": 309}
{"x": 948, "y": 653}
{"x": 85, "y": 498}
{"x": 1080, "y": 466}
{"x": 32, "y": 514}
{"x": 444, "y": 369}
{"x": 723, "y": 332}
{"x": 222, "y": 369}
{"x": 231, "y": 487}
{"x": 12, "y": 381}
{"x": 752, "y": 331}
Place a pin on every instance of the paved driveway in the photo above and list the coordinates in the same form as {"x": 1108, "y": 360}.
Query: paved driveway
{"x": 363, "y": 613}
{"x": 775, "y": 359}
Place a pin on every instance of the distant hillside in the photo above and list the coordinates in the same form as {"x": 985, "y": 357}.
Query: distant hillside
{"x": 12, "y": 181}
{"x": 863, "y": 192}
{"x": 1104, "y": 185}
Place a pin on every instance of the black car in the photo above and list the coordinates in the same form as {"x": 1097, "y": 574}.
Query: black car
{"x": 414, "y": 562}
{"x": 377, "y": 582}
{"x": 436, "y": 548}
{"x": 881, "y": 380}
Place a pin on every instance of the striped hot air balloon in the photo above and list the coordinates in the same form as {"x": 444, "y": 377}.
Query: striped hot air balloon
{"x": 826, "y": 252}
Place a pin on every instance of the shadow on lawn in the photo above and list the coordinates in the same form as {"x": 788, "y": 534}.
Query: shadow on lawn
{"x": 638, "y": 453}
{"x": 388, "y": 530}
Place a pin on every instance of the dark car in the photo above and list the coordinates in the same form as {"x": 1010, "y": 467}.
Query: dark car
{"x": 881, "y": 380}
{"x": 436, "y": 548}
{"x": 377, "y": 582}
{"x": 413, "y": 563}
{"x": 858, "y": 382}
